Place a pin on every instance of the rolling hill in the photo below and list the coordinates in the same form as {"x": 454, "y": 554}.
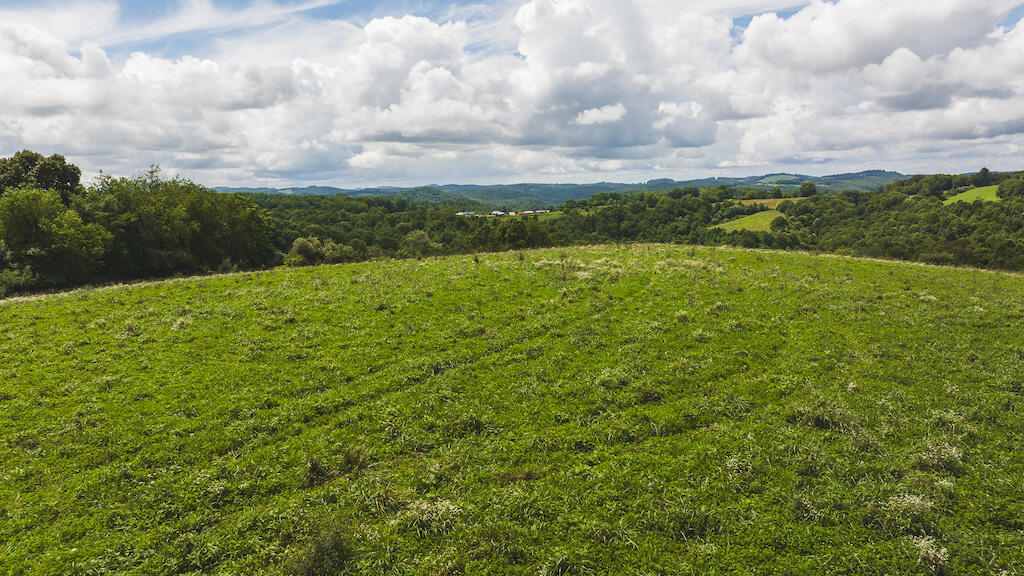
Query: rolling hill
{"x": 642, "y": 409}
{"x": 537, "y": 196}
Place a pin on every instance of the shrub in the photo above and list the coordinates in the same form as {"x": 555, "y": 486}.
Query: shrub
{"x": 15, "y": 280}
{"x": 305, "y": 252}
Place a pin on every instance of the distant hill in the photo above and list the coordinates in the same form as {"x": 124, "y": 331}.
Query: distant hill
{"x": 423, "y": 194}
{"x": 532, "y": 196}
{"x": 861, "y": 181}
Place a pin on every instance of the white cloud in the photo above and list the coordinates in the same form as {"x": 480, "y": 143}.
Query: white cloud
{"x": 604, "y": 115}
{"x": 827, "y": 36}
{"x": 539, "y": 89}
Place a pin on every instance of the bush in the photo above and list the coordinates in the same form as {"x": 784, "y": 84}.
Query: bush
{"x": 311, "y": 251}
{"x": 305, "y": 252}
{"x": 15, "y": 280}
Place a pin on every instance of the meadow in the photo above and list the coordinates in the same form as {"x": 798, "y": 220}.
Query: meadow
{"x": 985, "y": 193}
{"x": 639, "y": 410}
{"x": 769, "y": 203}
{"x": 758, "y": 222}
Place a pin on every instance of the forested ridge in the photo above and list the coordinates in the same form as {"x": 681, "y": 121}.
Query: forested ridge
{"x": 56, "y": 232}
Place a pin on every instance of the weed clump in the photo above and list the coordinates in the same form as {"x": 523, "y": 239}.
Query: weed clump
{"x": 718, "y": 308}
{"x": 613, "y": 379}
{"x": 931, "y": 555}
{"x": 824, "y": 414}
{"x": 331, "y": 554}
{"x": 317, "y": 472}
{"x": 806, "y": 510}
{"x": 647, "y": 395}
{"x": 466, "y": 424}
{"x": 563, "y": 563}
{"x": 436, "y": 517}
{"x": 940, "y": 456}
{"x": 678, "y": 520}
{"x": 908, "y": 513}
{"x": 703, "y": 336}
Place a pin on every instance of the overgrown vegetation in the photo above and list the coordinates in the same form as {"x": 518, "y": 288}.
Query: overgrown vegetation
{"x": 642, "y": 409}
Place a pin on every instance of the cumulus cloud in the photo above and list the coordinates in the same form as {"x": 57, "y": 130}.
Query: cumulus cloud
{"x": 603, "y": 115}
{"x": 538, "y": 89}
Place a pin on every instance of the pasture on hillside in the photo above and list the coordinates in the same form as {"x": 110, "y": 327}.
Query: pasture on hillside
{"x": 641, "y": 409}
{"x": 757, "y": 222}
{"x": 985, "y": 193}
{"x": 769, "y": 203}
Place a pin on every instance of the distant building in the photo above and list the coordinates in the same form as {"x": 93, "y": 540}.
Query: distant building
{"x": 497, "y": 213}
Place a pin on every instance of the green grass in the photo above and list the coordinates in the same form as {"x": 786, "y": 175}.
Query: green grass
{"x": 770, "y": 203}
{"x": 607, "y": 410}
{"x": 759, "y": 222}
{"x": 987, "y": 194}
{"x": 556, "y": 214}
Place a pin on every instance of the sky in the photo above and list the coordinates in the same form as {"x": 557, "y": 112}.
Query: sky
{"x": 411, "y": 92}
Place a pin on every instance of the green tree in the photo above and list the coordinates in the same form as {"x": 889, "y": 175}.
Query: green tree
{"x": 170, "y": 226}
{"x": 33, "y": 170}
{"x": 808, "y": 189}
{"x": 982, "y": 178}
{"x": 417, "y": 243}
{"x": 42, "y": 234}
{"x": 1012, "y": 187}
{"x": 514, "y": 233}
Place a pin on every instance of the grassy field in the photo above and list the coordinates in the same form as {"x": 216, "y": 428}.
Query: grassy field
{"x": 769, "y": 203}
{"x": 987, "y": 193}
{"x": 629, "y": 410}
{"x": 759, "y": 222}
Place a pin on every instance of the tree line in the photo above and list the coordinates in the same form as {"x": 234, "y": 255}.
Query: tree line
{"x": 907, "y": 220}
{"x": 56, "y": 232}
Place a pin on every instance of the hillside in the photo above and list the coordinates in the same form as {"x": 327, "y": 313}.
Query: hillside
{"x": 538, "y": 196}
{"x": 984, "y": 193}
{"x": 560, "y": 411}
{"x": 759, "y": 222}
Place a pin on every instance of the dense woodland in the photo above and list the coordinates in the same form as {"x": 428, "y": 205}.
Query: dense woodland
{"x": 56, "y": 232}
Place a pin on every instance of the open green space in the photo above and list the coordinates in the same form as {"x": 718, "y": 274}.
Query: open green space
{"x": 642, "y": 409}
{"x": 770, "y": 203}
{"x": 985, "y": 193}
{"x": 759, "y": 222}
